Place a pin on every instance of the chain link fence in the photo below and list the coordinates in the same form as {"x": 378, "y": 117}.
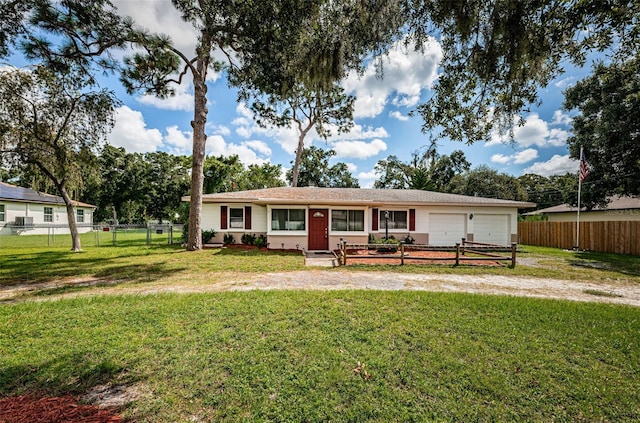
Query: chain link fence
{"x": 43, "y": 235}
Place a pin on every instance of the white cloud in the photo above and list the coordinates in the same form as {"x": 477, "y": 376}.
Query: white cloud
{"x": 561, "y": 118}
{"x": 368, "y": 175}
{"x": 406, "y": 74}
{"x": 182, "y": 100}
{"x": 177, "y": 141}
{"x": 500, "y": 158}
{"x": 359, "y": 149}
{"x": 160, "y": 16}
{"x": 565, "y": 82}
{"x": 131, "y": 132}
{"x": 367, "y": 179}
{"x": 535, "y": 131}
{"x": 352, "y": 168}
{"x": 525, "y": 156}
{"x": 249, "y": 152}
{"x": 397, "y": 115}
{"x": 557, "y": 165}
{"x": 258, "y": 146}
{"x": 558, "y": 137}
{"x": 517, "y": 158}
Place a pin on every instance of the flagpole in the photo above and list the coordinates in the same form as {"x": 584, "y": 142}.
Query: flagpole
{"x": 577, "y": 244}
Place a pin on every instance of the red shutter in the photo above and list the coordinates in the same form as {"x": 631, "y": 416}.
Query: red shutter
{"x": 247, "y": 217}
{"x": 223, "y": 217}
{"x": 412, "y": 220}
{"x": 374, "y": 219}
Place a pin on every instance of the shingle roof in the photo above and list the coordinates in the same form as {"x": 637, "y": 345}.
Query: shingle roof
{"x": 355, "y": 196}
{"x": 615, "y": 203}
{"x": 10, "y": 192}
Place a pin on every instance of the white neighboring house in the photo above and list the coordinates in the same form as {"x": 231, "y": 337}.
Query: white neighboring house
{"x": 316, "y": 219}
{"x": 24, "y": 211}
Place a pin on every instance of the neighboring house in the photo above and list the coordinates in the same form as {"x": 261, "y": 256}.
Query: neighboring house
{"x": 24, "y": 211}
{"x": 318, "y": 218}
{"x": 618, "y": 208}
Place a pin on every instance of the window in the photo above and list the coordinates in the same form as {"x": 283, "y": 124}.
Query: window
{"x": 1, "y": 212}
{"x": 80, "y": 216}
{"x": 397, "y": 219}
{"x": 287, "y": 220}
{"x": 236, "y": 218}
{"x": 347, "y": 220}
{"x": 48, "y": 214}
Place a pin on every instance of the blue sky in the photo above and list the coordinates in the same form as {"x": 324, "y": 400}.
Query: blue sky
{"x": 382, "y": 125}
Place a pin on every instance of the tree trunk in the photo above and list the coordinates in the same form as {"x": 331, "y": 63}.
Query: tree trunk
{"x": 198, "y": 123}
{"x": 71, "y": 218}
{"x": 296, "y": 164}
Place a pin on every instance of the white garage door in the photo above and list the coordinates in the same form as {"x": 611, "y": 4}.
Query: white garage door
{"x": 492, "y": 229}
{"x": 447, "y": 229}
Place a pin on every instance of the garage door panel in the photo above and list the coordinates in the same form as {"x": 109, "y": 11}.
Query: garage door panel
{"x": 492, "y": 229}
{"x": 447, "y": 229}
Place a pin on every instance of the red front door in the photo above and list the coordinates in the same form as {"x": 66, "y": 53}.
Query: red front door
{"x": 318, "y": 229}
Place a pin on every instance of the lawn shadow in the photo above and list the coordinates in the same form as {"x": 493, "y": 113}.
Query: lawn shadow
{"x": 84, "y": 267}
{"x": 619, "y": 263}
{"x": 67, "y": 374}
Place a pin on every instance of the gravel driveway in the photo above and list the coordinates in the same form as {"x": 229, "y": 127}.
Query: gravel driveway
{"x": 317, "y": 279}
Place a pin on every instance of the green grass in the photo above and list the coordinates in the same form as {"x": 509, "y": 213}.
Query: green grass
{"x": 295, "y": 356}
{"x": 137, "y": 264}
{"x": 290, "y": 356}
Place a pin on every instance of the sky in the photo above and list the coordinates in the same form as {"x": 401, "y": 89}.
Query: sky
{"x": 382, "y": 125}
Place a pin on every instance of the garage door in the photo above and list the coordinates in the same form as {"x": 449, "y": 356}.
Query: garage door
{"x": 492, "y": 229}
{"x": 447, "y": 229}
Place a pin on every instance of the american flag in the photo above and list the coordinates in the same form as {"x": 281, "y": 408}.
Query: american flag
{"x": 584, "y": 167}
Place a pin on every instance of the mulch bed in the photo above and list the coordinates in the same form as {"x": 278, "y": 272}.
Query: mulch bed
{"x": 416, "y": 255}
{"x": 33, "y": 409}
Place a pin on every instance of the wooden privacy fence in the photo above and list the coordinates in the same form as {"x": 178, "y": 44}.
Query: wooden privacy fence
{"x": 620, "y": 237}
{"x": 479, "y": 251}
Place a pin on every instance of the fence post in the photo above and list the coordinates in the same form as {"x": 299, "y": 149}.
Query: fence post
{"x": 115, "y": 242}
{"x": 513, "y": 254}
{"x": 49, "y": 237}
{"x": 401, "y": 253}
{"x": 343, "y": 252}
{"x": 171, "y": 234}
{"x": 457, "y": 253}
{"x": 464, "y": 240}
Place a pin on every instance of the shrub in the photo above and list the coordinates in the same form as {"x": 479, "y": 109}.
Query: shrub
{"x": 228, "y": 239}
{"x": 206, "y": 235}
{"x": 248, "y": 239}
{"x": 260, "y": 241}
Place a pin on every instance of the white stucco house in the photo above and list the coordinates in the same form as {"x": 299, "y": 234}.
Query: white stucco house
{"x": 618, "y": 209}
{"x": 315, "y": 219}
{"x": 24, "y": 211}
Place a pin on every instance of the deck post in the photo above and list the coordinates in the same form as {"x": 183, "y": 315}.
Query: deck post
{"x": 457, "y": 253}
{"x": 401, "y": 253}
{"x": 513, "y": 254}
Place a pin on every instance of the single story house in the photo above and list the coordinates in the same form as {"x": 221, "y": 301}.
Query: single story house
{"x": 316, "y": 219}
{"x": 24, "y": 211}
{"x": 618, "y": 208}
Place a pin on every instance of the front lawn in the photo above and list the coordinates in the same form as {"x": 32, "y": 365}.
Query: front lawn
{"x": 331, "y": 356}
